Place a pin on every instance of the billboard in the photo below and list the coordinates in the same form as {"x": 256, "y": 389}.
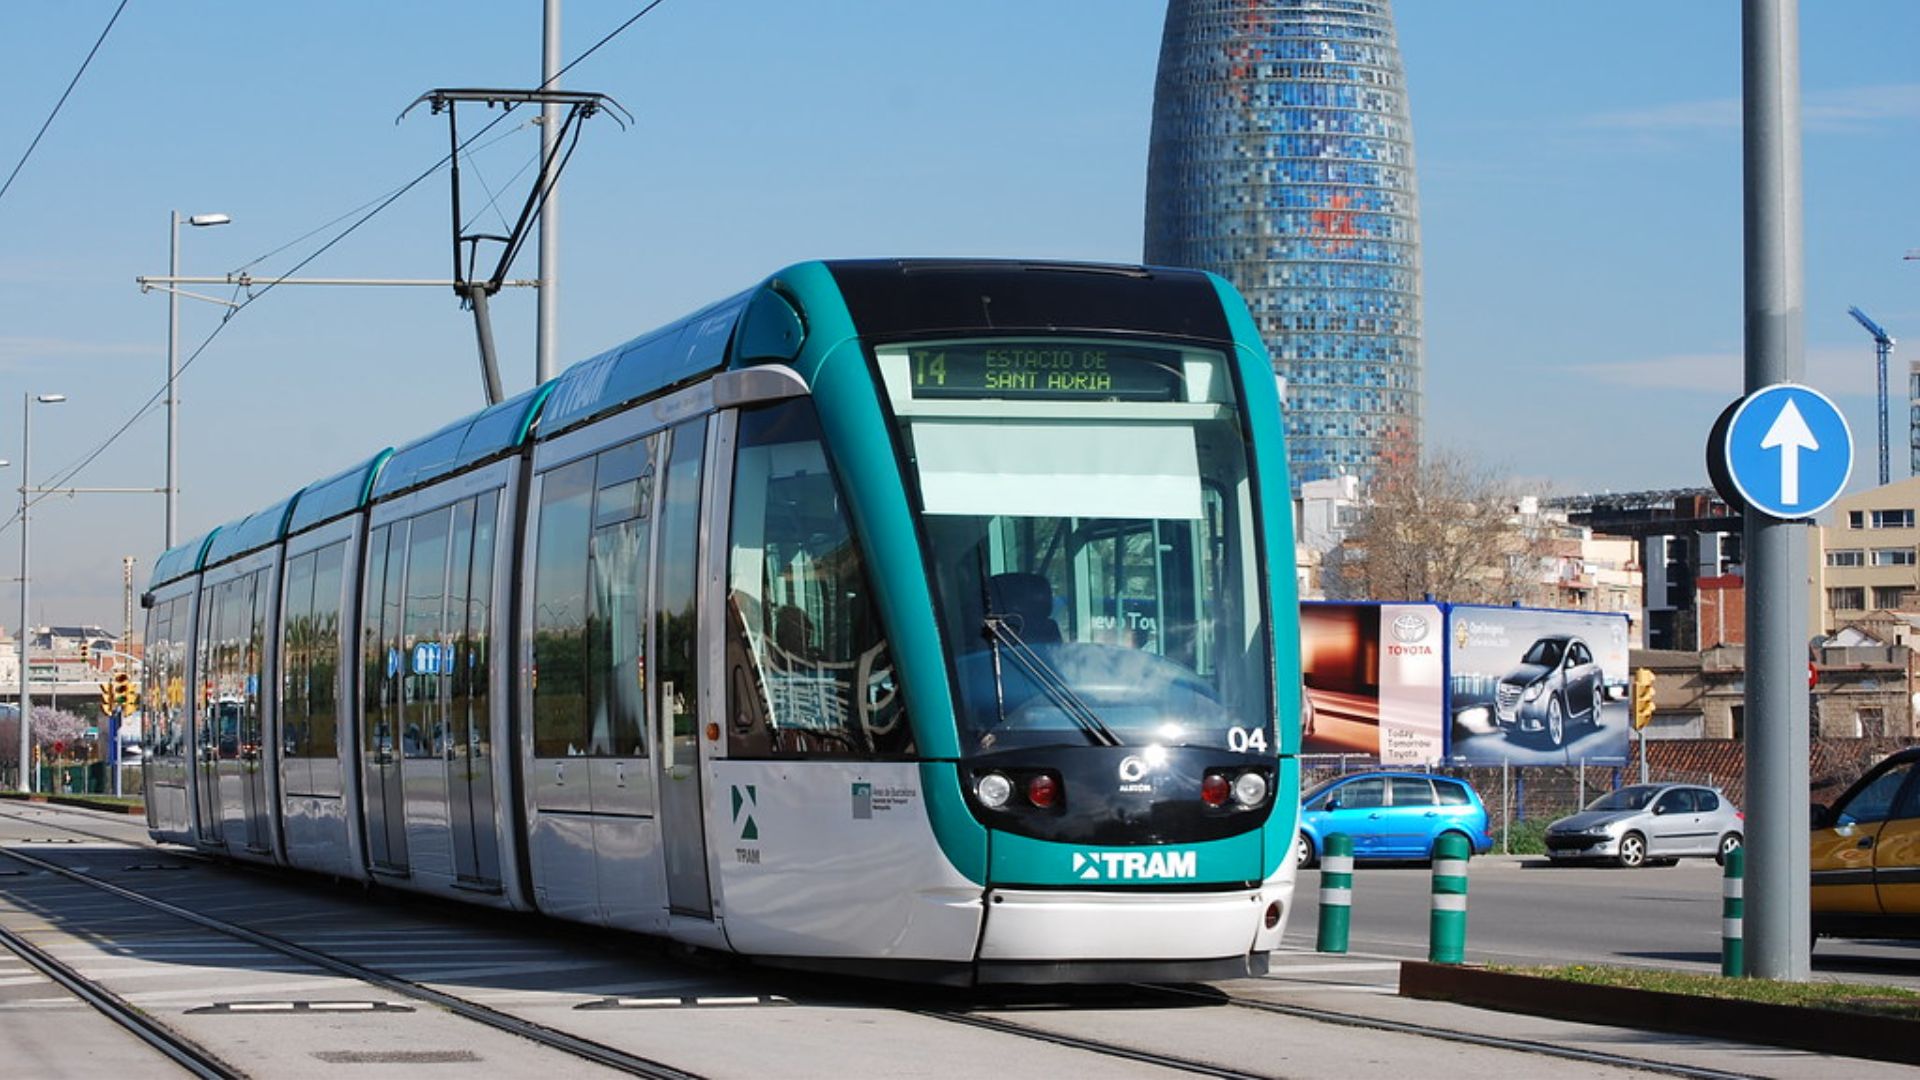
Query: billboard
{"x": 1535, "y": 687}
{"x": 1375, "y": 681}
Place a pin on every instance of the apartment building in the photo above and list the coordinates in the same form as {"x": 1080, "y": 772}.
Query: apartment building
{"x": 1867, "y": 558}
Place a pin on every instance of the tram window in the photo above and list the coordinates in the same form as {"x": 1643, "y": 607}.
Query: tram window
{"x": 617, "y": 634}
{"x": 678, "y": 576}
{"x": 323, "y": 654}
{"x": 423, "y": 734}
{"x": 560, "y": 612}
{"x": 296, "y": 643}
{"x": 164, "y": 737}
{"x": 808, "y": 671}
{"x": 471, "y": 683}
{"x": 380, "y": 650}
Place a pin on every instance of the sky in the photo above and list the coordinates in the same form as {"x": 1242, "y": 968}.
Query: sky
{"x": 1578, "y": 164}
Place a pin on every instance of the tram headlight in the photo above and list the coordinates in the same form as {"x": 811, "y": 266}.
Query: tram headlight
{"x": 1250, "y": 789}
{"x": 993, "y": 789}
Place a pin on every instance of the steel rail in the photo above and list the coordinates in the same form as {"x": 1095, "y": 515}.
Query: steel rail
{"x": 599, "y": 1053}
{"x": 179, "y": 1049}
{"x": 1496, "y": 1042}
{"x": 1092, "y": 1046}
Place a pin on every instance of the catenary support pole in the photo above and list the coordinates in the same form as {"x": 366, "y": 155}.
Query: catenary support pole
{"x": 547, "y": 330}
{"x": 1776, "y": 696}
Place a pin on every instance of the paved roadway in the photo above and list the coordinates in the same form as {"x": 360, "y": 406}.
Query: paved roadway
{"x": 722, "y": 1020}
{"x": 1525, "y": 910}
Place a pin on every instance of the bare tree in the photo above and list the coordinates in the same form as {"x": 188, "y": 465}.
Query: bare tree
{"x": 1443, "y": 528}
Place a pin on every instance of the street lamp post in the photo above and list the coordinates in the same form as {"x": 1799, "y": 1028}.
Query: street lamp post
{"x": 26, "y": 697}
{"x": 173, "y": 359}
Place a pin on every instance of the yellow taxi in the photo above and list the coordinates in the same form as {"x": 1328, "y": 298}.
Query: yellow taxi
{"x": 1866, "y": 854}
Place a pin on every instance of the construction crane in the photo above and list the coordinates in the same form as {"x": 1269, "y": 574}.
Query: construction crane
{"x": 1882, "y": 345}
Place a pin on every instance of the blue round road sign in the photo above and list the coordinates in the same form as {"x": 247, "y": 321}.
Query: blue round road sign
{"x": 1788, "y": 451}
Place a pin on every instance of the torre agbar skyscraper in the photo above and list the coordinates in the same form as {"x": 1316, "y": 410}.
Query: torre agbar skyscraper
{"x": 1282, "y": 159}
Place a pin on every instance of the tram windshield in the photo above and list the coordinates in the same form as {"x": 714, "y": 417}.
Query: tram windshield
{"x": 1089, "y": 516}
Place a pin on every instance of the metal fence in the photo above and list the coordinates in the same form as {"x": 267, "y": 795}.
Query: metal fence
{"x": 1520, "y": 800}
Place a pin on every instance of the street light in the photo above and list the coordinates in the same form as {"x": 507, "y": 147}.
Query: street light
{"x": 26, "y": 699}
{"x": 173, "y": 357}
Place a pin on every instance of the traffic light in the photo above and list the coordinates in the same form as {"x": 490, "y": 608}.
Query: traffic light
{"x": 125, "y": 695}
{"x": 107, "y": 702}
{"x": 1642, "y": 698}
{"x": 86, "y": 652}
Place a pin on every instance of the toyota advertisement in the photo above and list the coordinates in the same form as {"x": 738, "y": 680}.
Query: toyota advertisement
{"x": 1375, "y": 680}
{"x": 1423, "y": 684}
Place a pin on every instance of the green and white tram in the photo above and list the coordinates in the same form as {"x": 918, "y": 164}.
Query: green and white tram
{"x": 926, "y": 619}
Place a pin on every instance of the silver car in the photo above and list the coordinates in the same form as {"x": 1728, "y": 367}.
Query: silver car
{"x": 1645, "y": 823}
{"x": 1557, "y": 683}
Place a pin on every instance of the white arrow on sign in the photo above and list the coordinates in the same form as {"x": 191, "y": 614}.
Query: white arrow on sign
{"x": 1789, "y": 433}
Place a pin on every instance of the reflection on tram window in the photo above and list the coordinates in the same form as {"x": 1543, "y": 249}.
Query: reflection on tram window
{"x": 808, "y": 670}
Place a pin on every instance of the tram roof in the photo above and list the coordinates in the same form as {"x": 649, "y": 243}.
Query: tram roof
{"x": 644, "y": 366}
{"x": 463, "y": 443}
{"x": 178, "y": 562}
{"x": 324, "y": 500}
{"x": 250, "y": 533}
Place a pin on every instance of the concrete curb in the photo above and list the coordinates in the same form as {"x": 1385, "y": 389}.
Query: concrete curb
{"x": 80, "y": 801}
{"x": 1819, "y": 1030}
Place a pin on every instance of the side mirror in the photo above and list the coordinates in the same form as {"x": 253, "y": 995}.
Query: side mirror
{"x": 1819, "y": 815}
{"x": 1659, "y": 808}
{"x": 1333, "y": 802}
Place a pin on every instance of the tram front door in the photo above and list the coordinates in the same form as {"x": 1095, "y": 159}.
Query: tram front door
{"x": 677, "y": 631}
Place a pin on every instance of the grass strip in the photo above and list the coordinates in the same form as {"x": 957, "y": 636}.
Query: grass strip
{"x": 1864, "y": 999}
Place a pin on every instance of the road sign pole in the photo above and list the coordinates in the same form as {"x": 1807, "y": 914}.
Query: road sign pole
{"x": 1777, "y": 937}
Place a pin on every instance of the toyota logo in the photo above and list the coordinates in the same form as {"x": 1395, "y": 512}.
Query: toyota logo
{"x": 1409, "y": 628}
{"x": 1133, "y": 769}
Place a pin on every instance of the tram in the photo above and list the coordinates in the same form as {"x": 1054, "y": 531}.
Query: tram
{"x": 920, "y": 619}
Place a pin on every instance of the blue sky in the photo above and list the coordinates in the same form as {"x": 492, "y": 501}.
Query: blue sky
{"x": 1579, "y": 170}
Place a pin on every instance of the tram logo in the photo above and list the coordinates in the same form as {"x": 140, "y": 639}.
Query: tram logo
{"x": 1134, "y": 865}
{"x": 745, "y": 801}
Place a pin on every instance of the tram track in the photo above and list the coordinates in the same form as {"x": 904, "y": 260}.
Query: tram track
{"x": 599, "y": 1053}
{"x": 1494, "y": 1042}
{"x": 171, "y": 1044}
{"x": 971, "y": 1016}
{"x": 1092, "y": 1046}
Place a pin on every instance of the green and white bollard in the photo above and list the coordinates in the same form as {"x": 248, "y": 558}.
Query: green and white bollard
{"x": 1336, "y": 893}
{"x": 1733, "y": 915}
{"x": 1447, "y": 926}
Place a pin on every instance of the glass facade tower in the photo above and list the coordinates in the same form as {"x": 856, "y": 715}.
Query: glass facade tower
{"x": 1282, "y": 159}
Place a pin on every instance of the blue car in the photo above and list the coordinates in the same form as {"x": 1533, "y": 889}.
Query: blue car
{"x": 1390, "y": 816}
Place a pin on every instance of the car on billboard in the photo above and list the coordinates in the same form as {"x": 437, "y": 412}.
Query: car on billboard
{"x": 1866, "y": 854}
{"x": 1557, "y": 682}
{"x": 1649, "y": 823}
{"x": 1390, "y": 816}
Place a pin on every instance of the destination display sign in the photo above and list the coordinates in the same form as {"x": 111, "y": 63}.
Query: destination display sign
{"x": 1046, "y": 371}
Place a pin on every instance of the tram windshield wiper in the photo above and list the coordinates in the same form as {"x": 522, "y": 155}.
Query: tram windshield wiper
{"x": 1044, "y": 676}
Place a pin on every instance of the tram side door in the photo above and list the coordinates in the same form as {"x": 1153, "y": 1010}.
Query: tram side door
{"x": 470, "y": 790}
{"x": 380, "y": 716}
{"x": 677, "y": 656}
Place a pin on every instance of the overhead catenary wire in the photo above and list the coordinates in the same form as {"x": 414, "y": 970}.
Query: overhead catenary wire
{"x": 67, "y": 474}
{"x": 75, "y": 81}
